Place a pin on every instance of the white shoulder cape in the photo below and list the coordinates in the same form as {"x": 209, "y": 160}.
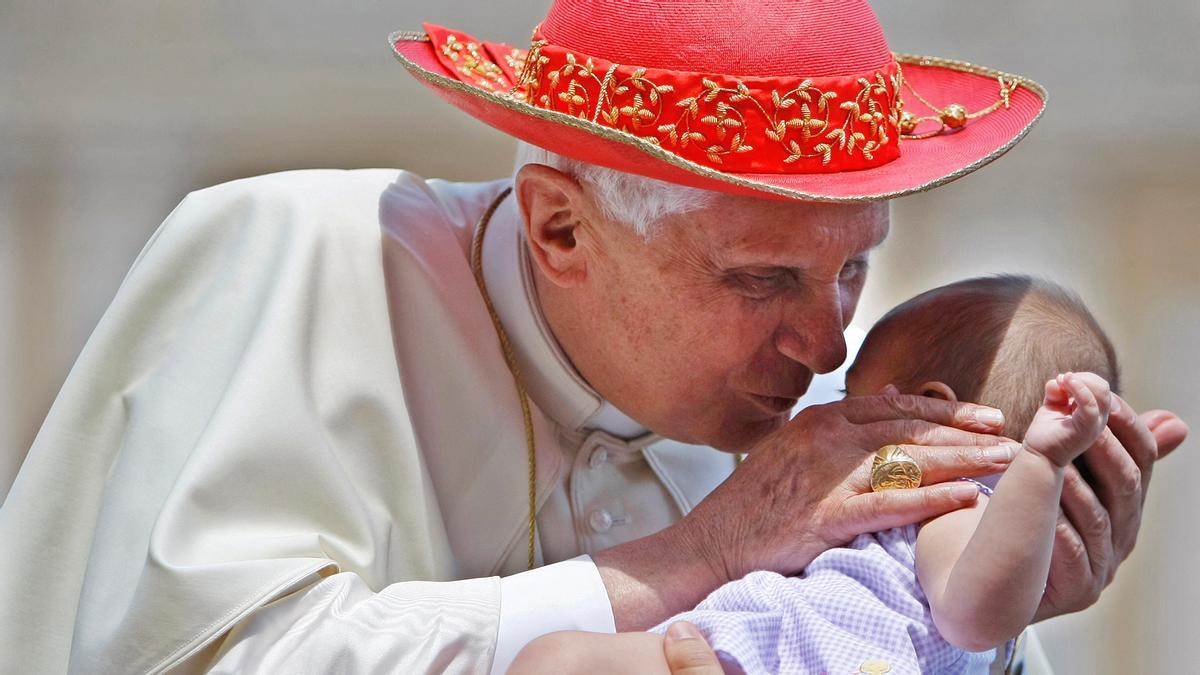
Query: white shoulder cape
{"x": 237, "y": 422}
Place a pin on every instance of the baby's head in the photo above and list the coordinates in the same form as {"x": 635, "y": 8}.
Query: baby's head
{"x": 990, "y": 340}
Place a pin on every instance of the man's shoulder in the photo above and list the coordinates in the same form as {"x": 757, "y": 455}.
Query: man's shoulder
{"x": 289, "y": 203}
{"x": 307, "y": 184}
{"x": 346, "y": 201}
{"x": 316, "y": 186}
{"x": 322, "y": 204}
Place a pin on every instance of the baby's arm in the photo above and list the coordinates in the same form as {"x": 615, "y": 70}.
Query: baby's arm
{"x": 984, "y": 568}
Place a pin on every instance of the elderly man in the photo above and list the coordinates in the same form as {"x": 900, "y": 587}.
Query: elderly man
{"x": 293, "y": 444}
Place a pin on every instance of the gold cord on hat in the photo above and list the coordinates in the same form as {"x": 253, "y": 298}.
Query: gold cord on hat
{"x": 510, "y": 358}
{"x": 953, "y": 116}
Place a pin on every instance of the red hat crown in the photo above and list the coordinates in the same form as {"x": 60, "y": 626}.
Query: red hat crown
{"x": 746, "y": 38}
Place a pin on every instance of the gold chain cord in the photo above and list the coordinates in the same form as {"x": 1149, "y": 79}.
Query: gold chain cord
{"x": 510, "y": 358}
{"x": 952, "y": 116}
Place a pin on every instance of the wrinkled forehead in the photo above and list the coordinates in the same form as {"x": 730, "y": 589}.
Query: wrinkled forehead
{"x": 768, "y": 228}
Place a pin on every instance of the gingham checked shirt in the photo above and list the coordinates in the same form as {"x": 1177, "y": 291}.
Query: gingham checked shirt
{"x": 850, "y": 606}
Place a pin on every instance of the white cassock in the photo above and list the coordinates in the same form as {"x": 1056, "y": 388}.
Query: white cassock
{"x": 292, "y": 445}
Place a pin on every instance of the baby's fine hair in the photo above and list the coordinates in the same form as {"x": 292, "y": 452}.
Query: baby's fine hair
{"x": 997, "y": 340}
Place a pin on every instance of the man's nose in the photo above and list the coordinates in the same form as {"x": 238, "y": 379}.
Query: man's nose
{"x": 812, "y": 335}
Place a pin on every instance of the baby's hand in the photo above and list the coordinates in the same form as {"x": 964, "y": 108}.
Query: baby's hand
{"x": 1073, "y": 415}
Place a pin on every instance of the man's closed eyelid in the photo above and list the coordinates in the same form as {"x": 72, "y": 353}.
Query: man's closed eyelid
{"x": 765, "y": 275}
{"x": 760, "y": 287}
{"x": 854, "y": 268}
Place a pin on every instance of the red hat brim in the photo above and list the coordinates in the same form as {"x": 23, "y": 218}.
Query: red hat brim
{"x": 923, "y": 164}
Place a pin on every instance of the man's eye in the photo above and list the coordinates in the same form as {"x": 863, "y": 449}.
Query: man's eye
{"x": 852, "y": 269}
{"x": 760, "y": 283}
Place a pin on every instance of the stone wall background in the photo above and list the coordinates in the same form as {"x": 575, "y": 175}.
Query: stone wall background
{"x": 111, "y": 112}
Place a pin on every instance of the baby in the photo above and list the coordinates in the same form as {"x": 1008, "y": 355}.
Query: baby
{"x": 937, "y": 597}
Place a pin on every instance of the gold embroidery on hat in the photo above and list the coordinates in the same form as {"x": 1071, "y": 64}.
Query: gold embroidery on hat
{"x": 864, "y": 127}
{"x": 714, "y": 119}
{"x": 847, "y": 137}
{"x": 515, "y": 59}
{"x": 473, "y": 64}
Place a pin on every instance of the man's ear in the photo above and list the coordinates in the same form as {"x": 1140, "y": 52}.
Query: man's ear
{"x": 552, "y": 205}
{"x": 937, "y": 389}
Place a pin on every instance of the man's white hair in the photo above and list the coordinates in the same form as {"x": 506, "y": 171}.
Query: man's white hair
{"x": 637, "y": 201}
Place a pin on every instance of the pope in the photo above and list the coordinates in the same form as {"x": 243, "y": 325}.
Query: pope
{"x": 359, "y": 421}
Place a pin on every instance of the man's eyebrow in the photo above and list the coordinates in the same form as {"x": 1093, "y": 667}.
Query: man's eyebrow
{"x": 875, "y": 243}
{"x": 731, "y": 264}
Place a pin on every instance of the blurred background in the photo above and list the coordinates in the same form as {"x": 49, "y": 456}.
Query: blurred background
{"x": 111, "y": 112}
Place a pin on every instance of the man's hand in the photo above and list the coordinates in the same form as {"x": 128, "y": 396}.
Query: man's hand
{"x": 1099, "y": 521}
{"x": 807, "y": 488}
{"x": 804, "y": 489}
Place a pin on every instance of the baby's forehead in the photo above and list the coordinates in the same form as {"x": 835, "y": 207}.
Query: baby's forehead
{"x": 909, "y": 327}
{"x": 885, "y": 346}
{"x": 948, "y": 313}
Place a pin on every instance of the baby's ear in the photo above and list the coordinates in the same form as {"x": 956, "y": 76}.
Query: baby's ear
{"x": 937, "y": 389}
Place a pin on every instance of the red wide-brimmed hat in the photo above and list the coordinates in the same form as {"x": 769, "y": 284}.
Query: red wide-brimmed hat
{"x": 797, "y": 99}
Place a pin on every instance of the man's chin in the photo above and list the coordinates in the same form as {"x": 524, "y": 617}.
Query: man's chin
{"x": 734, "y": 431}
{"x": 743, "y": 435}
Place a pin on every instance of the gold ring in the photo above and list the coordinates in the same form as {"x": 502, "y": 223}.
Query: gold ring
{"x": 893, "y": 469}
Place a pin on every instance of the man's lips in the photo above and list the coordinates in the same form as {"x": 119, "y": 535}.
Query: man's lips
{"x": 774, "y": 404}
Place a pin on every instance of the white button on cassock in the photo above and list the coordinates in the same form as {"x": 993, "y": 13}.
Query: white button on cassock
{"x": 598, "y": 458}
{"x": 600, "y": 520}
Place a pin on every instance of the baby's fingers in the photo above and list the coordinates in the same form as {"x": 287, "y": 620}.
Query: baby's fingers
{"x": 1085, "y": 401}
{"x": 1056, "y": 394}
{"x": 1091, "y": 394}
{"x": 1100, "y": 390}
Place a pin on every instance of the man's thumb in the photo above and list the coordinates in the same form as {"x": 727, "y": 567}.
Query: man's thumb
{"x": 687, "y": 652}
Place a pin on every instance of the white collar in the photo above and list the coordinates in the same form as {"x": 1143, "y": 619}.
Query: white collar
{"x": 552, "y": 381}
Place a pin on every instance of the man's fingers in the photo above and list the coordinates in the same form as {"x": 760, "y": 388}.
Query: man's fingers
{"x": 1090, "y": 519}
{"x": 1119, "y": 484}
{"x": 921, "y": 432}
{"x": 867, "y": 409}
{"x": 687, "y": 652}
{"x": 1069, "y": 571}
{"x": 1169, "y": 431}
{"x": 877, "y": 511}
{"x": 947, "y": 462}
{"x": 1134, "y": 436}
